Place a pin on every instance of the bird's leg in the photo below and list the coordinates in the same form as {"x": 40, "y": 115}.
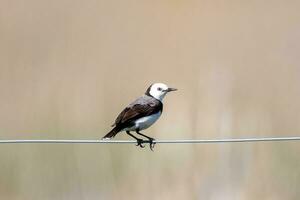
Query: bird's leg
{"x": 151, "y": 140}
{"x": 138, "y": 140}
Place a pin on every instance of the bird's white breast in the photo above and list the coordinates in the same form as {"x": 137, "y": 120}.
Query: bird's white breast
{"x": 144, "y": 122}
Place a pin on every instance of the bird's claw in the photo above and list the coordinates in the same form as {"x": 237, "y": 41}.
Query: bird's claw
{"x": 152, "y": 143}
{"x": 140, "y": 143}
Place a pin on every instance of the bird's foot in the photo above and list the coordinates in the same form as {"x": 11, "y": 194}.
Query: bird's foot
{"x": 140, "y": 143}
{"x": 152, "y": 143}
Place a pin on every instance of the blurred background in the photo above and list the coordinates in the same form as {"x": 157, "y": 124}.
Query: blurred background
{"x": 68, "y": 67}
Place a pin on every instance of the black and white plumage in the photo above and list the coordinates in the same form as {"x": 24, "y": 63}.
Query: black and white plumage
{"x": 141, "y": 114}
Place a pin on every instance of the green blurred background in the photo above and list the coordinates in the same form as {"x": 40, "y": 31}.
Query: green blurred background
{"x": 68, "y": 67}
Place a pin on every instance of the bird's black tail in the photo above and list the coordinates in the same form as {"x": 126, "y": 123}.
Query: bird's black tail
{"x": 112, "y": 133}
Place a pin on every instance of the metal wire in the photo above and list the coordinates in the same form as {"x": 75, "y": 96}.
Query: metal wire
{"x": 229, "y": 140}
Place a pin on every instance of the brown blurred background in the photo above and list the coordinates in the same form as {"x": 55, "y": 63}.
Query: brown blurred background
{"x": 68, "y": 67}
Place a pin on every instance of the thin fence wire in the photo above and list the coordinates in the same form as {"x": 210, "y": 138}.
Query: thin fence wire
{"x": 180, "y": 141}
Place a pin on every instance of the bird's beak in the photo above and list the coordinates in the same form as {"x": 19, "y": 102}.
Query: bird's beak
{"x": 171, "y": 89}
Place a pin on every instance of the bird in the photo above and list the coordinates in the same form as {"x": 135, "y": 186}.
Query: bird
{"x": 141, "y": 114}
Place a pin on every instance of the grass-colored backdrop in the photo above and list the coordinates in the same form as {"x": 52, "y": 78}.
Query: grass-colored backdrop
{"x": 68, "y": 67}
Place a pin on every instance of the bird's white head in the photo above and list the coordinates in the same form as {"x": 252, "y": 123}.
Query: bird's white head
{"x": 159, "y": 90}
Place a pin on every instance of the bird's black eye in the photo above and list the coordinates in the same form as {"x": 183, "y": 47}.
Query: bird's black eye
{"x": 159, "y": 89}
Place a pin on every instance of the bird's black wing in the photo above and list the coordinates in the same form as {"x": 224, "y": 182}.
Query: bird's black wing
{"x": 137, "y": 110}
